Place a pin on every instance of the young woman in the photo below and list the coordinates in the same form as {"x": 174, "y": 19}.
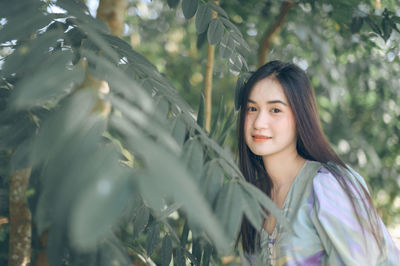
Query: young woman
{"x": 283, "y": 151}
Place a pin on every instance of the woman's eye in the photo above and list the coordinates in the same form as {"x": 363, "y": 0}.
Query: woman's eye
{"x": 275, "y": 110}
{"x": 251, "y": 109}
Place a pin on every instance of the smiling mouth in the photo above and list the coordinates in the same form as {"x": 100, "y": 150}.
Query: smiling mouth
{"x": 260, "y": 138}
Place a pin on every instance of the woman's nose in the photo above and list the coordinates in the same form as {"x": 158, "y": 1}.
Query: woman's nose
{"x": 261, "y": 121}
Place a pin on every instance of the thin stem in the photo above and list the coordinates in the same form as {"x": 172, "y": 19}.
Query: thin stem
{"x": 209, "y": 79}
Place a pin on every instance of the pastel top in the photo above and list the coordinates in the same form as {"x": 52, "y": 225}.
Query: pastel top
{"x": 325, "y": 229}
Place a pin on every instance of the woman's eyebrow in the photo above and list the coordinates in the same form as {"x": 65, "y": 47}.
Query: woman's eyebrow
{"x": 269, "y": 102}
{"x": 276, "y": 101}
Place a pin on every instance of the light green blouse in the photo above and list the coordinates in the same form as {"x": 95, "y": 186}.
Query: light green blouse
{"x": 325, "y": 229}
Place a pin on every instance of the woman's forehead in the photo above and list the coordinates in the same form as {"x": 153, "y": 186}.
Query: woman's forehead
{"x": 266, "y": 90}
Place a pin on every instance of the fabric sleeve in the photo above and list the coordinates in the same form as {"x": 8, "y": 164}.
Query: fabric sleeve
{"x": 345, "y": 241}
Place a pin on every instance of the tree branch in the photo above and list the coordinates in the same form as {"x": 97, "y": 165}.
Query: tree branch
{"x": 274, "y": 30}
{"x": 20, "y": 219}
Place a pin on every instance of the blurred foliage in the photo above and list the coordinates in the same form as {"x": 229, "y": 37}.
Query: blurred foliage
{"x": 146, "y": 182}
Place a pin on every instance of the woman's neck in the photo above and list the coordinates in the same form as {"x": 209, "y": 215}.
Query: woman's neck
{"x": 283, "y": 168}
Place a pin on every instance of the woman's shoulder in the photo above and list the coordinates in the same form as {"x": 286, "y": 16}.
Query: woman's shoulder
{"x": 323, "y": 178}
{"x": 337, "y": 188}
{"x": 344, "y": 177}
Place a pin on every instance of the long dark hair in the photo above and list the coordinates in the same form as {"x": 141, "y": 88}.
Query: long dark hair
{"x": 311, "y": 144}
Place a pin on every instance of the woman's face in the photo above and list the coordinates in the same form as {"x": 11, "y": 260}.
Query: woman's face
{"x": 269, "y": 124}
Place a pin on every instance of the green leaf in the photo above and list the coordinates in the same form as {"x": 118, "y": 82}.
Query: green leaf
{"x": 373, "y": 26}
{"x": 74, "y": 115}
{"x": 235, "y": 64}
{"x": 189, "y": 256}
{"x": 161, "y": 216}
{"x": 212, "y": 180}
{"x": 119, "y": 81}
{"x": 22, "y": 27}
{"x": 96, "y": 37}
{"x": 215, "y": 31}
{"x": 55, "y": 238}
{"x": 203, "y": 18}
{"x": 178, "y": 130}
{"x": 196, "y": 251}
{"x": 151, "y": 192}
{"x": 200, "y": 113}
{"x": 356, "y": 24}
{"x": 57, "y": 26}
{"x": 387, "y": 28}
{"x": 239, "y": 40}
{"x": 218, "y": 9}
{"x": 173, "y": 3}
{"x": 229, "y": 208}
{"x": 51, "y": 80}
{"x": 148, "y": 123}
{"x": 11, "y": 9}
{"x": 153, "y": 238}
{"x": 231, "y": 27}
{"x": 393, "y": 25}
{"x": 111, "y": 252}
{"x": 265, "y": 201}
{"x": 206, "y": 256}
{"x": 15, "y": 129}
{"x": 216, "y": 122}
{"x": 124, "y": 48}
{"x": 226, "y": 46}
{"x": 80, "y": 15}
{"x": 395, "y": 19}
{"x": 179, "y": 259}
{"x": 141, "y": 220}
{"x": 228, "y": 124}
{"x": 166, "y": 251}
{"x": 252, "y": 210}
{"x": 189, "y": 8}
{"x": 75, "y": 158}
{"x": 225, "y": 158}
{"x": 76, "y": 8}
{"x": 30, "y": 55}
{"x": 162, "y": 106}
{"x": 5, "y": 171}
{"x": 20, "y": 157}
{"x": 193, "y": 156}
{"x": 184, "y": 235}
{"x": 201, "y": 39}
{"x": 74, "y": 38}
{"x": 108, "y": 191}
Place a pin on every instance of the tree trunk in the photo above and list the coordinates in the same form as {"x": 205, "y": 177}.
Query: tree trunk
{"x": 208, "y": 80}
{"x": 274, "y": 30}
{"x": 112, "y": 12}
{"x": 20, "y": 220}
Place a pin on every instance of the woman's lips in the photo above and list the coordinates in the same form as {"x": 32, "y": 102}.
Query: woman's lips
{"x": 260, "y": 138}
